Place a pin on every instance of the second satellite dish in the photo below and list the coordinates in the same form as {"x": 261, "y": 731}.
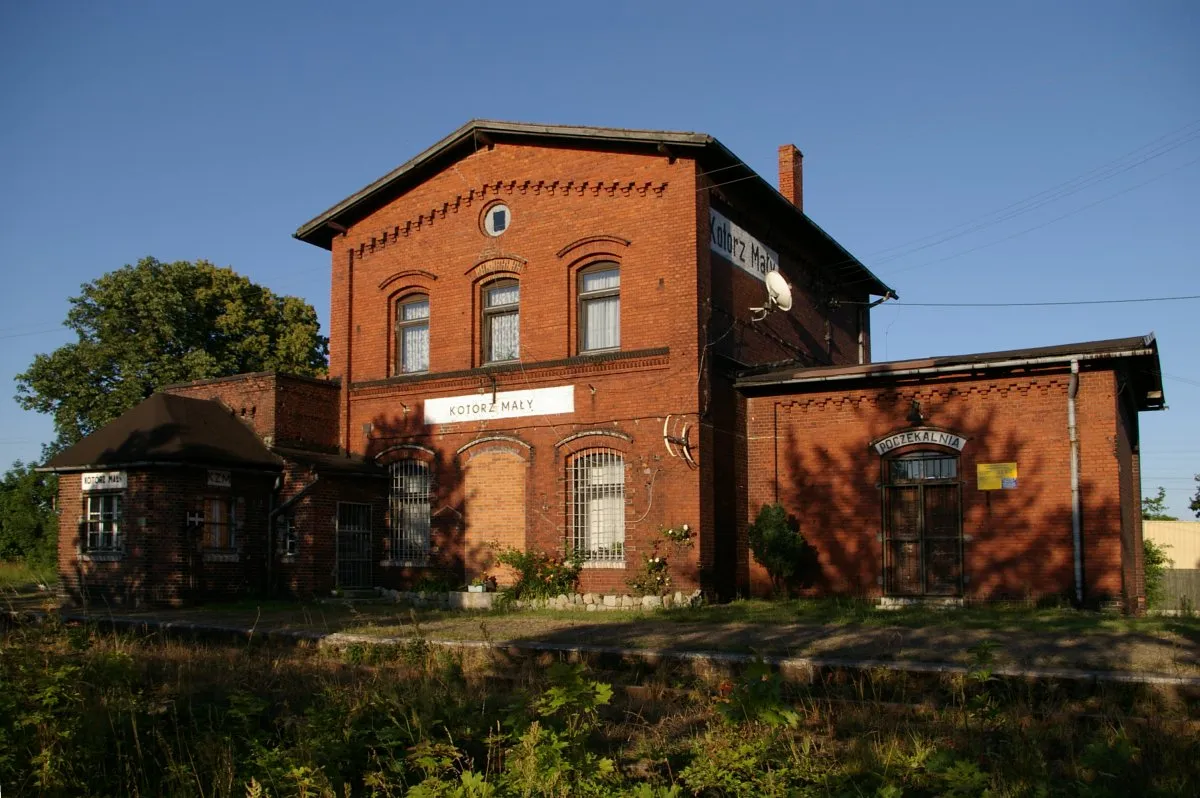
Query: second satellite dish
{"x": 779, "y": 296}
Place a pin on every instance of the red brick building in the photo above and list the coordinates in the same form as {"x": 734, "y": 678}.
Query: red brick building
{"x": 547, "y": 337}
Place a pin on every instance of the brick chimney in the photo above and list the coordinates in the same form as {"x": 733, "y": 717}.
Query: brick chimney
{"x": 791, "y": 174}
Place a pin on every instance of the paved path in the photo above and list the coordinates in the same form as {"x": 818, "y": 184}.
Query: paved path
{"x": 1169, "y": 653}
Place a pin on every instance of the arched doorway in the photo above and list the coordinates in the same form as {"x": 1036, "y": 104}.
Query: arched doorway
{"x": 922, "y": 524}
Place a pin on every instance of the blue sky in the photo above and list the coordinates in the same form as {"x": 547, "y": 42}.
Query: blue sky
{"x": 212, "y": 130}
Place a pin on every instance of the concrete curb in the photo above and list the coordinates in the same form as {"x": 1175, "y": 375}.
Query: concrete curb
{"x": 643, "y": 655}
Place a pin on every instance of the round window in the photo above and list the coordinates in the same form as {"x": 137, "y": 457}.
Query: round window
{"x": 496, "y": 219}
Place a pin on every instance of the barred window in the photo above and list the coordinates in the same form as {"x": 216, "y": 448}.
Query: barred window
{"x": 600, "y": 308}
{"x": 597, "y": 482}
{"x": 502, "y": 321}
{"x": 412, "y": 334}
{"x": 103, "y": 522}
{"x": 410, "y": 510}
{"x": 920, "y": 467}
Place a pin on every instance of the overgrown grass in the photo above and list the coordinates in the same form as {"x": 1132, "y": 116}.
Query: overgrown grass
{"x": 21, "y": 574}
{"x": 87, "y": 713}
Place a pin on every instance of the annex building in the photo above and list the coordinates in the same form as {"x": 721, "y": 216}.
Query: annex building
{"x": 553, "y": 338}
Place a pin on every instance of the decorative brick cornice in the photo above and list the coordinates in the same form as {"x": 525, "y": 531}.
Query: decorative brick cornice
{"x": 487, "y": 192}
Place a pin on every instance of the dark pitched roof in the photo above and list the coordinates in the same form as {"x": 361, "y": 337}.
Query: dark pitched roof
{"x": 321, "y": 230}
{"x": 167, "y": 429}
{"x": 1141, "y": 352}
{"x": 332, "y": 462}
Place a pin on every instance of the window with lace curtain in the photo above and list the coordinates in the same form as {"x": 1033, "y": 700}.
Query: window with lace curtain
{"x": 501, "y": 321}
{"x": 412, "y": 334}
{"x": 600, "y": 308}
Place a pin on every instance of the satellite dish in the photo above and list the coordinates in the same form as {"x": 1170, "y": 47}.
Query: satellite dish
{"x": 779, "y": 296}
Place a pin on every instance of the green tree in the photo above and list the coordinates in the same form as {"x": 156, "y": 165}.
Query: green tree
{"x": 1155, "y": 508}
{"x": 1195, "y": 505}
{"x": 778, "y": 545}
{"x": 145, "y": 326}
{"x": 28, "y": 524}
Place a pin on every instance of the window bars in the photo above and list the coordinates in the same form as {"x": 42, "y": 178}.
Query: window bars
{"x": 410, "y": 510}
{"x": 597, "y": 482}
{"x": 103, "y": 514}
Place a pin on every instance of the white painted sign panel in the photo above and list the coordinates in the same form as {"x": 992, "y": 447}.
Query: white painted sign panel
{"x": 910, "y": 437}
{"x": 219, "y": 479}
{"x": 507, "y": 404}
{"x": 104, "y": 480}
{"x": 739, "y": 247}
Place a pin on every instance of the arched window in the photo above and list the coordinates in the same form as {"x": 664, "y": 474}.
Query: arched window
{"x": 410, "y": 511}
{"x": 412, "y": 334}
{"x": 501, "y": 332}
{"x": 597, "y": 506}
{"x": 600, "y": 307}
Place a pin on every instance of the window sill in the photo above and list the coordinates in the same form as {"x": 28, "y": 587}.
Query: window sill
{"x": 614, "y": 564}
{"x": 222, "y": 556}
{"x": 101, "y": 556}
{"x": 404, "y": 564}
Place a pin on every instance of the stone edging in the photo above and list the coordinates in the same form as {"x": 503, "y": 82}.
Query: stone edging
{"x": 582, "y": 602}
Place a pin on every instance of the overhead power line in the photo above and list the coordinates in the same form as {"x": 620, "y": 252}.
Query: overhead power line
{"x": 1040, "y": 304}
{"x": 1107, "y": 171}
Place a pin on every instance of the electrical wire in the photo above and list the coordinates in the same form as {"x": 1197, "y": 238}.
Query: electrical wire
{"x": 1036, "y": 304}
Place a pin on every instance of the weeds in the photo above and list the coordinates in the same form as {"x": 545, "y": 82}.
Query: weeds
{"x": 84, "y": 713}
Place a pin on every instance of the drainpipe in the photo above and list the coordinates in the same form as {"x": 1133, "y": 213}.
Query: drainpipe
{"x": 1076, "y": 511}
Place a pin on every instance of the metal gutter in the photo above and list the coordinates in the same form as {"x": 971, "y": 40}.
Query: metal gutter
{"x": 971, "y": 366}
{"x": 157, "y": 464}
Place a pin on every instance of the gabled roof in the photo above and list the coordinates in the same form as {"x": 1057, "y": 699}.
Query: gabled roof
{"x": 169, "y": 430}
{"x": 1139, "y": 354}
{"x": 321, "y": 230}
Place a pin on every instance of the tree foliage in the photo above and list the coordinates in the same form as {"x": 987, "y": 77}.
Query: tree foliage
{"x": 145, "y": 326}
{"x": 1155, "y": 562}
{"x": 778, "y": 545}
{"x": 1155, "y": 508}
{"x": 28, "y": 524}
{"x": 1195, "y": 503}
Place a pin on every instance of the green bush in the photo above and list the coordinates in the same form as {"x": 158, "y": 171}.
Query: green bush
{"x": 1155, "y": 562}
{"x": 778, "y": 545}
{"x": 540, "y": 575}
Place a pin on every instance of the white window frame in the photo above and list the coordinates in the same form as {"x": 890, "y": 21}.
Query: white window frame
{"x": 101, "y": 523}
{"x": 403, "y": 325}
{"x": 596, "y": 296}
{"x": 490, "y": 312}
{"x": 597, "y": 507}
{"x": 410, "y": 512}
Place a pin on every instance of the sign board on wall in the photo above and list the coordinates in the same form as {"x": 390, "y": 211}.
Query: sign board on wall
{"x": 739, "y": 247}
{"x": 219, "y": 479}
{"x": 996, "y": 476}
{"x": 103, "y": 480}
{"x": 505, "y": 404}
{"x": 911, "y": 437}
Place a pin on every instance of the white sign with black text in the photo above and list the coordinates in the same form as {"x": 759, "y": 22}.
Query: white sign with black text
{"x": 739, "y": 247}
{"x": 505, "y": 404}
{"x": 103, "y": 480}
{"x": 219, "y": 479}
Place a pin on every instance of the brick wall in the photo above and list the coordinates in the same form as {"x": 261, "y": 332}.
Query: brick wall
{"x": 163, "y": 560}
{"x": 283, "y": 409}
{"x": 810, "y": 451}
